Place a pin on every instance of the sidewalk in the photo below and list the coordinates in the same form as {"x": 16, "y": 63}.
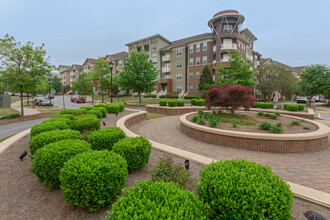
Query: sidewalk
{"x": 27, "y": 111}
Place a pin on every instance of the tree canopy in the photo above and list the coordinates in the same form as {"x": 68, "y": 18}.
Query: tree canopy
{"x": 138, "y": 74}
{"x": 239, "y": 72}
{"x": 101, "y": 75}
{"x": 206, "y": 79}
{"x": 56, "y": 84}
{"x": 83, "y": 84}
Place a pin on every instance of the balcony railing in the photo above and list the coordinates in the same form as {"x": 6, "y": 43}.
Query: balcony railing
{"x": 228, "y": 46}
{"x": 166, "y": 69}
{"x": 154, "y": 59}
{"x": 166, "y": 58}
{"x": 214, "y": 61}
{"x": 214, "y": 48}
{"x": 224, "y": 60}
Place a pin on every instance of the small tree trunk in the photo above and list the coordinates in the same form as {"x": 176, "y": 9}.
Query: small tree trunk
{"x": 22, "y": 109}
{"x": 28, "y": 99}
{"x": 139, "y": 98}
{"x": 102, "y": 96}
{"x": 232, "y": 110}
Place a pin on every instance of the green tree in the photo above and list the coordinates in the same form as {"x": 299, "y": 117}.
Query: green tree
{"x": 56, "y": 84}
{"x": 267, "y": 78}
{"x": 286, "y": 82}
{"x": 205, "y": 80}
{"x": 101, "y": 75}
{"x": 83, "y": 84}
{"x": 239, "y": 72}
{"x": 22, "y": 65}
{"x": 315, "y": 80}
{"x": 138, "y": 74}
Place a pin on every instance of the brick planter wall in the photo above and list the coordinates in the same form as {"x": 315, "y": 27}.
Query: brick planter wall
{"x": 135, "y": 120}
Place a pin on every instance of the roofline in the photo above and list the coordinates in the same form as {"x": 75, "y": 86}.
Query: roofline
{"x": 188, "y": 42}
{"x": 143, "y": 39}
{"x": 246, "y": 29}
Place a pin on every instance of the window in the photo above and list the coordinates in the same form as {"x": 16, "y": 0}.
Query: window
{"x": 227, "y": 28}
{"x": 178, "y": 88}
{"x": 179, "y": 76}
{"x": 138, "y": 49}
{"x": 154, "y": 55}
{"x": 191, "y": 61}
{"x": 198, "y": 47}
{"x": 191, "y": 48}
{"x": 179, "y": 52}
{"x": 120, "y": 62}
{"x": 178, "y": 64}
{"x": 204, "y": 59}
{"x": 191, "y": 88}
{"x": 167, "y": 76}
{"x": 154, "y": 46}
{"x": 197, "y": 74}
{"x": 146, "y": 47}
{"x": 198, "y": 60}
{"x": 197, "y": 88}
{"x": 204, "y": 46}
{"x": 191, "y": 75}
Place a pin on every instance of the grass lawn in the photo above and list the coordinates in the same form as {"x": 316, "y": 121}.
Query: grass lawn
{"x": 8, "y": 111}
{"x": 154, "y": 115}
{"x": 46, "y": 111}
{"x": 239, "y": 119}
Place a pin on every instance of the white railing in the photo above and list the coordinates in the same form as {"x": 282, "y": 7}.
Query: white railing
{"x": 181, "y": 95}
{"x": 154, "y": 59}
{"x": 228, "y": 46}
{"x": 214, "y": 61}
{"x": 166, "y": 58}
{"x": 162, "y": 92}
{"x": 214, "y": 48}
{"x": 224, "y": 60}
{"x": 166, "y": 69}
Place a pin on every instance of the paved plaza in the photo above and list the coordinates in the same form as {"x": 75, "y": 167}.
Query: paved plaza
{"x": 307, "y": 169}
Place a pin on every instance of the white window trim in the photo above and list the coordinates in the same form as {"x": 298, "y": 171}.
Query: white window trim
{"x": 205, "y": 46}
{"x": 199, "y": 74}
{"x": 177, "y": 64}
{"x": 199, "y": 61}
{"x": 198, "y": 47}
{"x": 176, "y": 76}
{"x": 191, "y": 48}
{"x": 177, "y": 52}
{"x": 204, "y": 60}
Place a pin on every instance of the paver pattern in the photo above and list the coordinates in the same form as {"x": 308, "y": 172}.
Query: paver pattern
{"x": 307, "y": 169}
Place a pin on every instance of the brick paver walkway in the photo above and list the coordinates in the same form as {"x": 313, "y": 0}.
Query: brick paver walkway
{"x": 307, "y": 169}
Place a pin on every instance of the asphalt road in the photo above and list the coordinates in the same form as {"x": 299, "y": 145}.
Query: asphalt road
{"x": 68, "y": 104}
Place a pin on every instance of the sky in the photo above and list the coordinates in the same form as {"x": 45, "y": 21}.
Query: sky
{"x": 294, "y": 32}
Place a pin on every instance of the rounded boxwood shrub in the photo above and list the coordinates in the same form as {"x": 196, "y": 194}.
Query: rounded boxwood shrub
{"x": 162, "y": 96}
{"x": 200, "y": 102}
{"x": 256, "y": 104}
{"x": 104, "y": 139}
{"x": 112, "y": 108}
{"x": 49, "y": 160}
{"x": 93, "y": 179}
{"x": 300, "y": 107}
{"x": 292, "y": 108}
{"x": 102, "y": 110}
{"x": 171, "y": 103}
{"x": 86, "y": 107}
{"x": 270, "y": 105}
{"x": 74, "y": 111}
{"x": 69, "y": 116}
{"x": 87, "y": 123}
{"x": 136, "y": 151}
{"x": 236, "y": 189}
{"x": 285, "y": 106}
{"x": 157, "y": 200}
{"x": 263, "y": 105}
{"x": 121, "y": 106}
{"x": 48, "y": 137}
{"x": 99, "y": 105}
{"x": 51, "y": 120}
{"x": 153, "y": 96}
{"x": 53, "y": 125}
{"x": 162, "y": 102}
{"x": 179, "y": 102}
{"x": 193, "y": 101}
{"x": 84, "y": 116}
{"x": 174, "y": 96}
{"x": 98, "y": 113}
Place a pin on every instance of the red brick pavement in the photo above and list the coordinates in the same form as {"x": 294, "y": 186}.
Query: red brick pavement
{"x": 308, "y": 169}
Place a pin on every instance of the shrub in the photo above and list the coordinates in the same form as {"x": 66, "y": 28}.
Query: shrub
{"x": 200, "y": 102}
{"x": 292, "y": 108}
{"x": 48, "y": 137}
{"x": 206, "y": 115}
{"x": 153, "y": 96}
{"x": 121, "y": 106}
{"x": 104, "y": 139}
{"x": 200, "y": 112}
{"x": 193, "y": 101}
{"x": 112, "y": 108}
{"x": 87, "y": 123}
{"x": 263, "y": 105}
{"x": 51, "y": 120}
{"x": 162, "y": 102}
{"x": 53, "y": 125}
{"x": 273, "y": 116}
{"x": 279, "y": 125}
{"x": 101, "y": 109}
{"x": 275, "y": 129}
{"x": 190, "y": 97}
{"x": 78, "y": 179}
{"x": 95, "y": 112}
{"x": 135, "y": 150}
{"x": 256, "y": 104}
{"x": 98, "y": 105}
{"x": 157, "y": 200}
{"x": 300, "y": 107}
{"x": 265, "y": 125}
{"x": 179, "y": 102}
{"x": 69, "y": 116}
{"x": 49, "y": 160}
{"x": 74, "y": 111}
{"x": 84, "y": 116}
{"x": 261, "y": 113}
{"x": 270, "y": 105}
{"x": 174, "y": 96}
{"x": 277, "y": 113}
{"x": 171, "y": 103}
{"x": 87, "y": 107}
{"x": 146, "y": 96}
{"x": 201, "y": 121}
{"x": 237, "y": 189}
{"x": 16, "y": 115}
{"x": 295, "y": 123}
{"x": 285, "y": 106}
{"x": 267, "y": 115}
{"x": 234, "y": 124}
{"x": 214, "y": 121}
{"x": 195, "y": 118}
{"x": 162, "y": 96}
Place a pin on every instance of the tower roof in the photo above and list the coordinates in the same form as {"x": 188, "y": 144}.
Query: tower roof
{"x": 226, "y": 13}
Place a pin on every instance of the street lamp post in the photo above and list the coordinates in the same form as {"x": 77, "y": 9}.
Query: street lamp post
{"x": 111, "y": 66}
{"x": 49, "y": 82}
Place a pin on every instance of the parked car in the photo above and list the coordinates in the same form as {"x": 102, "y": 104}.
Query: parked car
{"x": 73, "y": 97}
{"x": 41, "y": 101}
{"x": 302, "y": 100}
{"x": 79, "y": 99}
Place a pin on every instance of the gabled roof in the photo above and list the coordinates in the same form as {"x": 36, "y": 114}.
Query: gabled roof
{"x": 92, "y": 60}
{"x": 299, "y": 68}
{"x": 246, "y": 30}
{"x": 264, "y": 61}
{"x": 188, "y": 40}
{"x": 149, "y": 38}
{"x": 78, "y": 67}
{"x": 118, "y": 56}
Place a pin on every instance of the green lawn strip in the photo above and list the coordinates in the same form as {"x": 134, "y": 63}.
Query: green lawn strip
{"x": 154, "y": 115}
{"x": 8, "y": 111}
{"x": 239, "y": 119}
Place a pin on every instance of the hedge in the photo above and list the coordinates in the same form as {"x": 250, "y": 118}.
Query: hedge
{"x": 86, "y": 107}
{"x": 236, "y": 189}
{"x": 292, "y": 108}
{"x": 74, "y": 111}
{"x": 180, "y": 102}
{"x": 191, "y": 97}
{"x": 49, "y": 126}
{"x": 162, "y": 96}
{"x": 174, "y": 96}
{"x": 84, "y": 116}
{"x": 158, "y": 200}
{"x": 146, "y": 96}
{"x": 162, "y": 102}
{"x": 104, "y": 139}
{"x": 78, "y": 179}
{"x": 69, "y": 116}
{"x": 112, "y": 108}
{"x": 135, "y": 150}
{"x": 193, "y": 101}
{"x": 285, "y": 106}
{"x": 171, "y": 103}
{"x": 200, "y": 102}
{"x": 153, "y": 96}
{"x": 256, "y": 104}
{"x": 301, "y": 107}
{"x": 48, "y": 137}
{"x": 16, "y": 115}
{"x": 103, "y": 110}
{"x": 49, "y": 160}
{"x": 87, "y": 123}
{"x": 121, "y": 106}
{"x": 99, "y": 105}
{"x": 51, "y": 120}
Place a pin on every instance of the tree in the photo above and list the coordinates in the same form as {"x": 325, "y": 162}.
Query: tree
{"x": 315, "y": 80}
{"x": 205, "y": 80}
{"x": 229, "y": 96}
{"x": 56, "y": 84}
{"x": 286, "y": 82}
{"x": 83, "y": 84}
{"x": 22, "y": 65}
{"x": 138, "y": 74}
{"x": 101, "y": 75}
{"x": 239, "y": 72}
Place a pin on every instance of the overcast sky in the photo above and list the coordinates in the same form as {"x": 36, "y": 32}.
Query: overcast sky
{"x": 294, "y": 32}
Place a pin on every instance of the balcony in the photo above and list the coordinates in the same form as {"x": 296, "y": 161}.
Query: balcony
{"x": 214, "y": 61}
{"x": 224, "y": 60}
{"x": 166, "y": 69}
{"x": 166, "y": 58}
{"x": 154, "y": 59}
{"x": 214, "y": 48}
{"x": 228, "y": 46}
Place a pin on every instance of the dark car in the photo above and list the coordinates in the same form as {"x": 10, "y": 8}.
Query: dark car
{"x": 303, "y": 100}
{"x": 79, "y": 99}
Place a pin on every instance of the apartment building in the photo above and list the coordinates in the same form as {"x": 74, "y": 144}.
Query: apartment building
{"x": 74, "y": 72}
{"x": 118, "y": 61}
{"x": 64, "y": 75}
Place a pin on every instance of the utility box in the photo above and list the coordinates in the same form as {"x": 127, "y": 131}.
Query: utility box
{"x": 5, "y": 101}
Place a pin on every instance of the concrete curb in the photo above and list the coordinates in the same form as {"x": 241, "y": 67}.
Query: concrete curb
{"x": 312, "y": 195}
{"x": 7, "y": 143}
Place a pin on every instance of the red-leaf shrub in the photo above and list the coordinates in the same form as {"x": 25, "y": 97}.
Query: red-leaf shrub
{"x": 229, "y": 96}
